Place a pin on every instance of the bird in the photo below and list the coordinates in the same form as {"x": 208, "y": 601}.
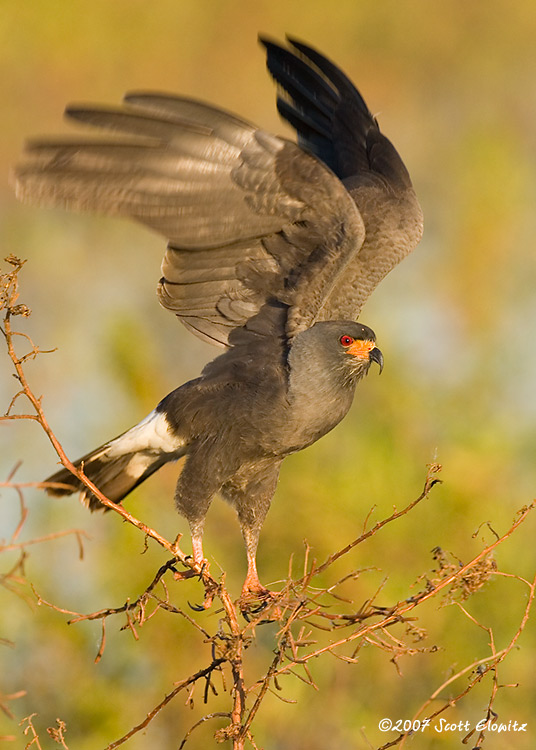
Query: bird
{"x": 274, "y": 245}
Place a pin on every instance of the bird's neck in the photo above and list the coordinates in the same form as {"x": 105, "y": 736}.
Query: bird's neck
{"x": 319, "y": 396}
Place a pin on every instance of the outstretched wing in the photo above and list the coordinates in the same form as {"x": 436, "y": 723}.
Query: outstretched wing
{"x": 250, "y": 218}
{"x": 333, "y": 122}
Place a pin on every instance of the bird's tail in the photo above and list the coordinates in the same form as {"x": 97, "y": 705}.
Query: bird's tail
{"x": 120, "y": 465}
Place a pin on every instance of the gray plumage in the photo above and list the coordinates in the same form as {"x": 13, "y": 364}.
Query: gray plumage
{"x": 273, "y": 248}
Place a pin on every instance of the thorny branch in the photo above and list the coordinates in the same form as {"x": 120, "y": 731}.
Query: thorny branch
{"x": 310, "y": 626}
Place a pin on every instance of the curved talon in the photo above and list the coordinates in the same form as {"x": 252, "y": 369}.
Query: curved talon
{"x": 254, "y": 610}
{"x": 204, "y": 568}
{"x": 255, "y": 598}
{"x": 202, "y": 564}
{"x": 196, "y": 607}
{"x": 251, "y": 611}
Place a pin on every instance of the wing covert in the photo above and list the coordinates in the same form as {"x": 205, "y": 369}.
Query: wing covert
{"x": 252, "y": 220}
{"x": 249, "y": 216}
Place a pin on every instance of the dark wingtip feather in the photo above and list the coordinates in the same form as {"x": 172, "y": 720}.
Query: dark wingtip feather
{"x": 327, "y": 111}
{"x": 264, "y": 40}
{"x": 334, "y": 74}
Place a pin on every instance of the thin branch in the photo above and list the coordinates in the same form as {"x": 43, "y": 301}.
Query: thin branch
{"x": 430, "y": 482}
{"x": 169, "y": 697}
{"x": 78, "y": 533}
{"x": 312, "y": 621}
{"x": 491, "y": 663}
{"x": 207, "y": 717}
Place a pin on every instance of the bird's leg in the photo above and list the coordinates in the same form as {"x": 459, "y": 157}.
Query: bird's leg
{"x": 252, "y": 584}
{"x": 252, "y": 588}
{"x": 196, "y": 556}
{"x": 197, "y": 550}
{"x": 199, "y": 559}
{"x": 196, "y": 533}
{"x": 197, "y": 547}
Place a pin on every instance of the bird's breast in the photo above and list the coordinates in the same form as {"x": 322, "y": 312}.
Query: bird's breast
{"x": 315, "y": 410}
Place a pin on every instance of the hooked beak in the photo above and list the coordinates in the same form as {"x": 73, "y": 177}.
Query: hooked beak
{"x": 375, "y": 355}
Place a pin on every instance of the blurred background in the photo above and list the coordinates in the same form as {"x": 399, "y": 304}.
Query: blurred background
{"x": 454, "y": 87}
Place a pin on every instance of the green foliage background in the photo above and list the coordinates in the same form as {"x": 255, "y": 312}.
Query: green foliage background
{"x": 453, "y": 85}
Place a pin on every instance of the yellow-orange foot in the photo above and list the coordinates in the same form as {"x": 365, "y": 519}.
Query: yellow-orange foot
{"x": 255, "y": 598}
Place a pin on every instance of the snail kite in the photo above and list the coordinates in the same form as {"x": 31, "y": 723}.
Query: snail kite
{"x": 273, "y": 248}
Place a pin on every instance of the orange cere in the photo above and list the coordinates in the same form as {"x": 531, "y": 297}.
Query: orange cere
{"x": 361, "y": 348}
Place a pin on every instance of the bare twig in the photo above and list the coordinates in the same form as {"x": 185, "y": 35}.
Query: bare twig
{"x": 169, "y": 697}
{"x": 312, "y": 621}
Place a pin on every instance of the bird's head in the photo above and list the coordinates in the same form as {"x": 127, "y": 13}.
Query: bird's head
{"x": 357, "y": 347}
{"x": 345, "y": 349}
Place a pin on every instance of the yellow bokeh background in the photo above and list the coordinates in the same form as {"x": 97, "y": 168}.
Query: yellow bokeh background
{"x": 453, "y": 84}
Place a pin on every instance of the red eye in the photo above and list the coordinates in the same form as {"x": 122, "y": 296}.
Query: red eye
{"x": 346, "y": 340}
